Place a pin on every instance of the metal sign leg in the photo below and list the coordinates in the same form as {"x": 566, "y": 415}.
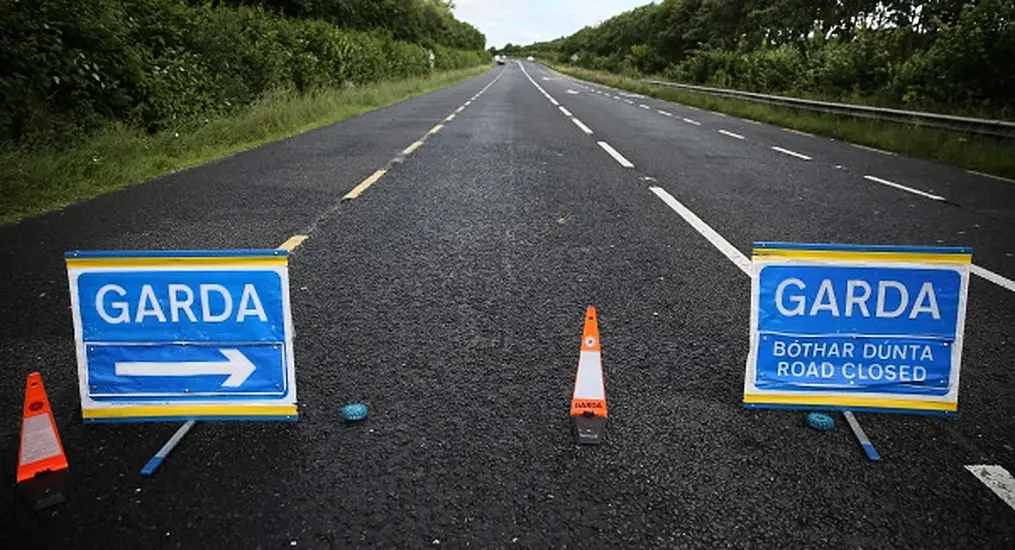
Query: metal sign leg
{"x": 160, "y": 456}
{"x": 868, "y": 447}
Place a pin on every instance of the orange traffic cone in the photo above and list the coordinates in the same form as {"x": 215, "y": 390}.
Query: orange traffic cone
{"x": 588, "y": 404}
{"x": 42, "y": 465}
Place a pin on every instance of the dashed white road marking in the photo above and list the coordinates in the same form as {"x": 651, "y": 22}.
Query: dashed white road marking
{"x": 616, "y": 156}
{"x": 689, "y": 121}
{"x": 565, "y": 111}
{"x": 460, "y": 109}
{"x": 581, "y": 125}
{"x": 997, "y": 479}
{"x": 554, "y": 101}
{"x": 904, "y": 188}
{"x": 617, "y": 97}
{"x": 629, "y": 102}
{"x": 717, "y": 113}
{"x": 989, "y": 275}
{"x": 731, "y": 134}
{"x": 664, "y": 113}
{"x": 706, "y": 231}
{"x": 791, "y": 153}
{"x": 643, "y": 106}
{"x": 449, "y": 118}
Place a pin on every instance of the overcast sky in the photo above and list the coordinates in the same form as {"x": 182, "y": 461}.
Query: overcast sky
{"x": 527, "y": 21}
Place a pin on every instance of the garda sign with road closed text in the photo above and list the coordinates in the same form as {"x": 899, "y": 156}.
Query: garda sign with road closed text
{"x": 856, "y": 327}
{"x": 183, "y": 335}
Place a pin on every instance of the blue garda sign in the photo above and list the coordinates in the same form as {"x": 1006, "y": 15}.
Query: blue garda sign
{"x": 183, "y": 335}
{"x": 857, "y": 327}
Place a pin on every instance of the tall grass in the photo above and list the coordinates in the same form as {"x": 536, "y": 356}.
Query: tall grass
{"x": 980, "y": 153}
{"x": 36, "y": 181}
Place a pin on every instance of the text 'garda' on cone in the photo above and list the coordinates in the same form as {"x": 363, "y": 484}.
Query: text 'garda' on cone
{"x": 42, "y": 464}
{"x": 588, "y": 403}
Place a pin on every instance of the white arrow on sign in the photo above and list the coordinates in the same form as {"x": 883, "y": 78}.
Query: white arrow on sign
{"x": 238, "y": 367}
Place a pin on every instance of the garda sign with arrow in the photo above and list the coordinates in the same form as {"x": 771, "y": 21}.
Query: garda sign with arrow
{"x": 183, "y": 335}
{"x": 848, "y": 327}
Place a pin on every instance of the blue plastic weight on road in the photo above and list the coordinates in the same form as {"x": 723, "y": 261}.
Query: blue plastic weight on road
{"x": 354, "y": 412}
{"x": 820, "y": 422}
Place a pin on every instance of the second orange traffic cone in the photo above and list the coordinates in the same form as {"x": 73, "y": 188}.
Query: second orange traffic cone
{"x": 42, "y": 464}
{"x": 588, "y": 403}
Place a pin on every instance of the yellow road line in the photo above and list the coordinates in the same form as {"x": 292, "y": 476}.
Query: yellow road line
{"x": 292, "y": 242}
{"x": 363, "y": 186}
{"x": 415, "y": 145}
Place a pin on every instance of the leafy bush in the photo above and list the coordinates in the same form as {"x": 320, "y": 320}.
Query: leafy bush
{"x": 931, "y": 54}
{"x": 69, "y": 67}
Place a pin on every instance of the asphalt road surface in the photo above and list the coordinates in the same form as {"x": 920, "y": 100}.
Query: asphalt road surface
{"x": 449, "y": 297}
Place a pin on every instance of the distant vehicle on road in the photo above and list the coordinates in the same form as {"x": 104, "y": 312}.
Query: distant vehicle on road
{"x": 501, "y": 59}
{"x": 530, "y": 58}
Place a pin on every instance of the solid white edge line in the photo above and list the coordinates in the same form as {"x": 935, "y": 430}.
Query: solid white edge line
{"x": 616, "y": 155}
{"x": 581, "y": 125}
{"x": 989, "y": 275}
{"x": 991, "y": 176}
{"x": 716, "y": 239}
{"x": 797, "y": 132}
{"x": 997, "y": 479}
{"x": 873, "y": 149}
{"x": 731, "y": 134}
{"x": 565, "y": 111}
{"x": 904, "y": 188}
{"x": 791, "y": 153}
{"x": 689, "y": 121}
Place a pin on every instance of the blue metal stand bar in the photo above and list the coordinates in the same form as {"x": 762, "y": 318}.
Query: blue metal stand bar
{"x": 160, "y": 456}
{"x": 868, "y": 447}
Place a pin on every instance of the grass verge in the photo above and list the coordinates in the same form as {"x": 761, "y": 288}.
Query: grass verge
{"x": 32, "y": 182}
{"x": 979, "y": 153}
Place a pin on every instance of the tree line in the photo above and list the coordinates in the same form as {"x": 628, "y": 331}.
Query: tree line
{"x": 942, "y": 54}
{"x": 69, "y": 67}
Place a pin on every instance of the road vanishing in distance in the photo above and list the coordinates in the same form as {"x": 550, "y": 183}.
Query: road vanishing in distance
{"x": 452, "y": 244}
